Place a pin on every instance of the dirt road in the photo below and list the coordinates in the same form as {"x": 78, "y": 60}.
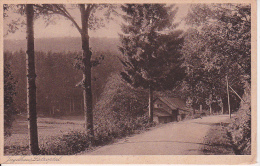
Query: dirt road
{"x": 176, "y": 138}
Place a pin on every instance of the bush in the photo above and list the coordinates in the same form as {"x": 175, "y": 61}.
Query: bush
{"x": 106, "y": 133}
{"x": 119, "y": 112}
{"x": 77, "y": 141}
{"x": 9, "y": 93}
{"x": 16, "y": 150}
{"x": 239, "y": 131}
{"x": 67, "y": 144}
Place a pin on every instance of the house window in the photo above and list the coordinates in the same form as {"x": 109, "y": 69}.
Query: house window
{"x": 158, "y": 105}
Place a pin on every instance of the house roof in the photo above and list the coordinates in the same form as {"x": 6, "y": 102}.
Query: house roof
{"x": 174, "y": 103}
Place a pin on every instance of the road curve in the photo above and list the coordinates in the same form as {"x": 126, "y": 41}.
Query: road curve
{"x": 176, "y": 138}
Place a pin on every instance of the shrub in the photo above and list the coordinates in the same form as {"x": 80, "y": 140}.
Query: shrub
{"x": 9, "y": 93}
{"x": 67, "y": 144}
{"x": 105, "y": 133}
{"x": 16, "y": 150}
{"x": 119, "y": 112}
{"x": 239, "y": 131}
{"x": 77, "y": 141}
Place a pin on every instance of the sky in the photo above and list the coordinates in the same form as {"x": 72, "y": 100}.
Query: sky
{"x": 64, "y": 28}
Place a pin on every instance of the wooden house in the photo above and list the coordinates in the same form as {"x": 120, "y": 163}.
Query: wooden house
{"x": 169, "y": 109}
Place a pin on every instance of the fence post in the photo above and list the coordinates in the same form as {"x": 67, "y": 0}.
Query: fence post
{"x": 229, "y": 111}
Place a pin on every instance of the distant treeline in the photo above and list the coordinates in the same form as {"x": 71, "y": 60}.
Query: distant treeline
{"x": 57, "y": 77}
{"x": 72, "y": 44}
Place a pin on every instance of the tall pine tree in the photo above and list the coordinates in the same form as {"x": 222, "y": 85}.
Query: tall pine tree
{"x": 151, "y": 56}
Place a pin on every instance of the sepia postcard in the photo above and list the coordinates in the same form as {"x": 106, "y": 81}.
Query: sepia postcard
{"x": 128, "y": 82}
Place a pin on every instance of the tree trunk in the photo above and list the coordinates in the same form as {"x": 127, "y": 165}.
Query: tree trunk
{"x": 86, "y": 57}
{"x": 210, "y": 110}
{"x": 31, "y": 86}
{"x": 222, "y": 110}
{"x": 150, "y": 104}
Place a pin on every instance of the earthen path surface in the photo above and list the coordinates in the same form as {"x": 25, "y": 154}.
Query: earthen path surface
{"x": 176, "y": 138}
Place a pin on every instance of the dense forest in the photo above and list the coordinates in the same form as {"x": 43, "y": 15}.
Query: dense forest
{"x": 53, "y": 77}
{"x": 61, "y": 44}
{"x": 57, "y": 90}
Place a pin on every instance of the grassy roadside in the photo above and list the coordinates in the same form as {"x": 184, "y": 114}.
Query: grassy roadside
{"x": 68, "y": 137}
{"x": 234, "y": 138}
{"x": 216, "y": 142}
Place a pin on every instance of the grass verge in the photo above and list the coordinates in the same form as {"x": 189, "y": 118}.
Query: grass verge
{"x": 216, "y": 142}
{"x": 73, "y": 142}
